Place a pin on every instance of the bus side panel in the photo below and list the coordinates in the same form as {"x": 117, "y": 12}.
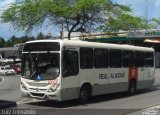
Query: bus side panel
{"x": 118, "y": 80}
{"x": 70, "y": 84}
{"x": 140, "y": 78}
{"x": 70, "y": 87}
{"x": 148, "y": 78}
{"x": 100, "y": 81}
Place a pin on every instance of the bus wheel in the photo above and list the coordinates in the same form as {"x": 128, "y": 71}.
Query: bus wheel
{"x": 84, "y": 95}
{"x": 132, "y": 88}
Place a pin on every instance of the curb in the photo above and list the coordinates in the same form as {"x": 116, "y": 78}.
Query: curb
{"x": 7, "y": 104}
{"x": 153, "y": 110}
{"x": 0, "y": 79}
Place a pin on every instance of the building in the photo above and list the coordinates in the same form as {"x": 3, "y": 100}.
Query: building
{"x": 9, "y": 52}
{"x": 146, "y": 38}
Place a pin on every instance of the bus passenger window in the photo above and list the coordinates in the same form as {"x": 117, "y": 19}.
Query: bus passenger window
{"x": 100, "y": 58}
{"x": 139, "y": 59}
{"x": 115, "y": 58}
{"x": 86, "y": 58}
{"x": 70, "y": 63}
{"x": 148, "y": 59}
{"x": 128, "y": 58}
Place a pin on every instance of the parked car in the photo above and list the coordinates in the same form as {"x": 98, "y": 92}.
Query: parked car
{"x": 7, "y": 70}
{"x": 17, "y": 68}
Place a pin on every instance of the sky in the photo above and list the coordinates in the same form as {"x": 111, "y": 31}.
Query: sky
{"x": 138, "y": 7}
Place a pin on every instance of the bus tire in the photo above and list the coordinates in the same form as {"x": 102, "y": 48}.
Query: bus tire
{"x": 84, "y": 95}
{"x": 132, "y": 87}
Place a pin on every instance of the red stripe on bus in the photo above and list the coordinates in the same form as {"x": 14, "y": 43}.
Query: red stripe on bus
{"x": 133, "y": 73}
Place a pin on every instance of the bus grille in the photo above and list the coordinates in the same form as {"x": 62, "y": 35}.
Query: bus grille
{"x": 35, "y": 89}
{"x": 37, "y": 84}
{"x": 38, "y": 94}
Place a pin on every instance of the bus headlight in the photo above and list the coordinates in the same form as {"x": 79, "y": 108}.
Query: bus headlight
{"x": 53, "y": 88}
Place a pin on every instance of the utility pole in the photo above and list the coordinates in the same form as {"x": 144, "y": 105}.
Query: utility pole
{"x": 146, "y": 10}
{"x": 61, "y": 32}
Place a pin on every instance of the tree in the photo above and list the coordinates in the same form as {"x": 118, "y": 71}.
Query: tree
{"x": 40, "y": 36}
{"x": 121, "y": 18}
{"x": 8, "y": 43}
{"x": 14, "y": 40}
{"x": 26, "y": 38}
{"x": 70, "y": 15}
{"x": 17, "y": 40}
{"x": 2, "y": 42}
{"x": 155, "y": 22}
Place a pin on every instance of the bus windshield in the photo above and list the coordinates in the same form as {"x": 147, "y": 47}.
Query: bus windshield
{"x": 40, "y": 66}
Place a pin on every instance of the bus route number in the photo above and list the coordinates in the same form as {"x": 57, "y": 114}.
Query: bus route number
{"x": 53, "y": 82}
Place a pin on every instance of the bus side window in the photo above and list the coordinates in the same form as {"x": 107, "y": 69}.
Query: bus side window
{"x": 70, "y": 63}
{"x": 100, "y": 58}
{"x": 139, "y": 59}
{"x": 128, "y": 58}
{"x": 148, "y": 59}
{"x": 86, "y": 58}
{"x": 115, "y": 58}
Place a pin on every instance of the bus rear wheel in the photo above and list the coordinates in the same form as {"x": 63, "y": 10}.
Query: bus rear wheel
{"x": 132, "y": 88}
{"x": 84, "y": 95}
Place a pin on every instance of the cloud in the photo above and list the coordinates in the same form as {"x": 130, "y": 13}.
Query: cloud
{"x": 157, "y": 3}
{"x": 139, "y": 7}
{"x": 156, "y": 11}
{"x": 6, "y": 31}
{"x": 4, "y": 4}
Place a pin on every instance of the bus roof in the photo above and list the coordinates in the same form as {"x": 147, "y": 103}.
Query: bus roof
{"x": 79, "y": 43}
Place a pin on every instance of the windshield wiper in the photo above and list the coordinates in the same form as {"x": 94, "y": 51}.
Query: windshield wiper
{"x": 30, "y": 56}
{"x": 31, "y": 76}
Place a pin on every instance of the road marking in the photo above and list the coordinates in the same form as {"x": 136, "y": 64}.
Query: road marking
{"x": 2, "y": 80}
{"x": 31, "y": 101}
{"x": 65, "y": 108}
{"x": 151, "y": 110}
{"x": 21, "y": 101}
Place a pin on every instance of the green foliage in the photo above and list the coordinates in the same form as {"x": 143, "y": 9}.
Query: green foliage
{"x": 72, "y": 15}
{"x": 41, "y": 36}
{"x": 2, "y": 42}
{"x": 155, "y": 22}
{"x": 126, "y": 23}
{"x": 20, "y": 40}
{"x": 24, "y": 15}
{"x": 120, "y": 18}
{"x": 17, "y": 40}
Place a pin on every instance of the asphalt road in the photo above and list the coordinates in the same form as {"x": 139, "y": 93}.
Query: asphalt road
{"x": 10, "y": 88}
{"x": 111, "y": 104}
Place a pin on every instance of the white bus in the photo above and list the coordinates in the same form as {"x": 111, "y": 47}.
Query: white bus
{"x": 66, "y": 69}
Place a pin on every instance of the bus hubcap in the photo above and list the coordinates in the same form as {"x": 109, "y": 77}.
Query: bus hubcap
{"x": 84, "y": 95}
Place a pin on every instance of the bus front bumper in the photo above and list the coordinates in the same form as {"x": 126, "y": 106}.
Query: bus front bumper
{"x": 41, "y": 95}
